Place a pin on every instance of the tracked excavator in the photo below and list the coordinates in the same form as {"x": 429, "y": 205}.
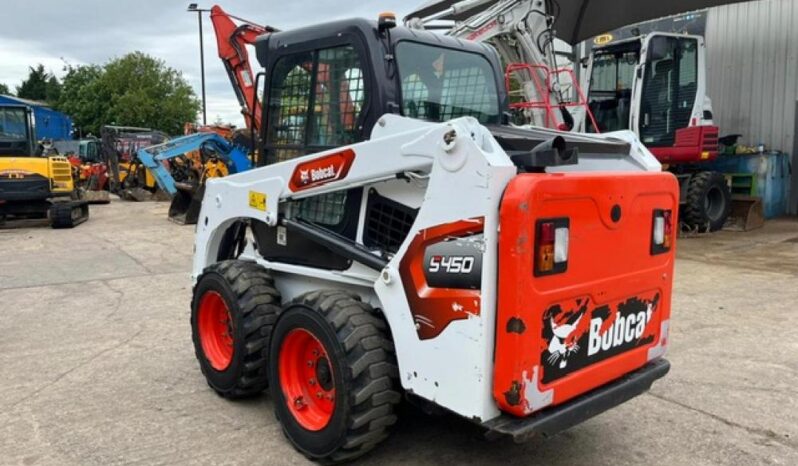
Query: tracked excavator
{"x": 34, "y": 184}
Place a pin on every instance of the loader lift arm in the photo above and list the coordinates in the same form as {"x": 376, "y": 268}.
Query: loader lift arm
{"x": 231, "y": 40}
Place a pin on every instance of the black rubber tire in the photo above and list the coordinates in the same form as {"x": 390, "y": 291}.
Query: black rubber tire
{"x": 359, "y": 348}
{"x": 708, "y": 201}
{"x": 249, "y": 293}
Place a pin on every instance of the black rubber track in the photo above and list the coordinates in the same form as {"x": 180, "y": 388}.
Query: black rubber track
{"x": 698, "y": 188}
{"x": 369, "y": 382}
{"x": 68, "y": 214}
{"x": 254, "y": 304}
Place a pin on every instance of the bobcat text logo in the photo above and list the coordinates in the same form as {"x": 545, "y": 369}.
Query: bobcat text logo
{"x": 329, "y": 168}
{"x": 320, "y": 174}
{"x": 624, "y": 330}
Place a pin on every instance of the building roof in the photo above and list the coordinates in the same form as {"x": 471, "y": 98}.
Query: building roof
{"x": 31, "y": 103}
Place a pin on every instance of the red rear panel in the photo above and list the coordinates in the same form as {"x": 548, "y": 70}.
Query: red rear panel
{"x": 693, "y": 144}
{"x": 602, "y": 314}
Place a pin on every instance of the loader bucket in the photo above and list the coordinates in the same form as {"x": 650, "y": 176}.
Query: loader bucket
{"x": 747, "y": 213}
{"x": 185, "y": 206}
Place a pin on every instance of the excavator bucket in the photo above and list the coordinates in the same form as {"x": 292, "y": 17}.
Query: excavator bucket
{"x": 96, "y": 197}
{"x": 185, "y": 207}
{"x": 747, "y": 213}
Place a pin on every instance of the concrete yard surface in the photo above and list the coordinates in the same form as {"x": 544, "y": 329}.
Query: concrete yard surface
{"x": 98, "y": 368}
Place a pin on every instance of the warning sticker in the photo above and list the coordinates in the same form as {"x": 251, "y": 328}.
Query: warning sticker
{"x": 257, "y": 200}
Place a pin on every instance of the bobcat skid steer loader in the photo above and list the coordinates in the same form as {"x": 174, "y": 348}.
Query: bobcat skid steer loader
{"x": 400, "y": 239}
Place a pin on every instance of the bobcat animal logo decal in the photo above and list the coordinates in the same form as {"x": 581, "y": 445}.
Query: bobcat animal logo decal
{"x": 579, "y": 333}
{"x": 562, "y": 343}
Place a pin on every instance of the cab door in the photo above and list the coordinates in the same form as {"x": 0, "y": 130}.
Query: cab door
{"x": 670, "y": 87}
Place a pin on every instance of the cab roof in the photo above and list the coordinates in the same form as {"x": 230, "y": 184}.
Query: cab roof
{"x": 316, "y": 35}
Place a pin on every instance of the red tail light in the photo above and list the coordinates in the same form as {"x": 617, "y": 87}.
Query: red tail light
{"x": 662, "y": 232}
{"x": 551, "y": 246}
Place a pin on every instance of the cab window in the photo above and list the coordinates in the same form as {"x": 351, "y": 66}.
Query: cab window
{"x": 670, "y": 88}
{"x": 315, "y": 102}
{"x": 439, "y": 84}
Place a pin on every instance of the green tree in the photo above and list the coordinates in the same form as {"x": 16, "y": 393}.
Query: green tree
{"x": 4, "y": 90}
{"x": 39, "y": 85}
{"x": 135, "y": 90}
{"x": 80, "y": 100}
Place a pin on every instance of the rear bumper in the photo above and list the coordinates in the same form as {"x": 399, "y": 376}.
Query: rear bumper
{"x": 557, "y": 419}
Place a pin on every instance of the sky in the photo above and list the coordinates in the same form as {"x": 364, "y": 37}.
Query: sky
{"x": 57, "y": 32}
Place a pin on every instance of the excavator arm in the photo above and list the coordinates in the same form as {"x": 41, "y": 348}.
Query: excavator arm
{"x": 523, "y": 32}
{"x": 231, "y": 40}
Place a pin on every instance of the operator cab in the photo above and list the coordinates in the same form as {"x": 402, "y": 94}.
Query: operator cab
{"x": 327, "y": 85}
{"x": 648, "y": 84}
{"x": 16, "y": 131}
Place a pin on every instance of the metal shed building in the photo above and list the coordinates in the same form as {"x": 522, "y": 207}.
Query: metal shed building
{"x": 50, "y": 124}
{"x": 752, "y": 60}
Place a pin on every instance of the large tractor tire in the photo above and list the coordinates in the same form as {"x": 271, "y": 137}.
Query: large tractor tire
{"x": 708, "y": 201}
{"x": 233, "y": 310}
{"x": 64, "y": 215}
{"x": 333, "y": 376}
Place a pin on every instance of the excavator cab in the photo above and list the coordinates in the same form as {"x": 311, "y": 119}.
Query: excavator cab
{"x": 33, "y": 185}
{"x": 654, "y": 86}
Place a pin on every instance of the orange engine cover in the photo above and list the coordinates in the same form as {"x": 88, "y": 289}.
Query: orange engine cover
{"x": 563, "y": 334}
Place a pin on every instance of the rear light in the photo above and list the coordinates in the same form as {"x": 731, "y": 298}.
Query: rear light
{"x": 551, "y": 246}
{"x": 662, "y": 232}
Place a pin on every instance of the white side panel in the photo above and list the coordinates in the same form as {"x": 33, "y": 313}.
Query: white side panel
{"x": 455, "y": 368}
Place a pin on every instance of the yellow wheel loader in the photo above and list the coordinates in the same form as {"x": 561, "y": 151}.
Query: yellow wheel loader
{"x": 34, "y": 184}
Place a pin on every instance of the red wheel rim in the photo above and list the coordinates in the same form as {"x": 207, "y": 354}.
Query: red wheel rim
{"x": 306, "y": 379}
{"x": 215, "y": 330}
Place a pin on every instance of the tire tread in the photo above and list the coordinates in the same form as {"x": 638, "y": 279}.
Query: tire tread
{"x": 371, "y": 363}
{"x": 259, "y": 304}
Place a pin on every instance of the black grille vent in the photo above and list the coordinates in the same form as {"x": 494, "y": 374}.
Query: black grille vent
{"x": 387, "y": 222}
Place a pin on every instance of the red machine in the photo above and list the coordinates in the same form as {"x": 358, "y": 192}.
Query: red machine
{"x": 232, "y": 40}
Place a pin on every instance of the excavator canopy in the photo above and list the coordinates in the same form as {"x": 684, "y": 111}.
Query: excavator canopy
{"x": 578, "y": 20}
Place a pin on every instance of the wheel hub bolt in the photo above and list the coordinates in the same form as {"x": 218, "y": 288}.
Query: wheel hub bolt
{"x": 310, "y": 363}
{"x": 299, "y": 402}
{"x": 312, "y": 381}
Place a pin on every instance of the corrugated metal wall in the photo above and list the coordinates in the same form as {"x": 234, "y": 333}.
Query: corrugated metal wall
{"x": 752, "y": 59}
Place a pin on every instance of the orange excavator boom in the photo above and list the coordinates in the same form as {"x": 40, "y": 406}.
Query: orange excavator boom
{"x": 231, "y": 40}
